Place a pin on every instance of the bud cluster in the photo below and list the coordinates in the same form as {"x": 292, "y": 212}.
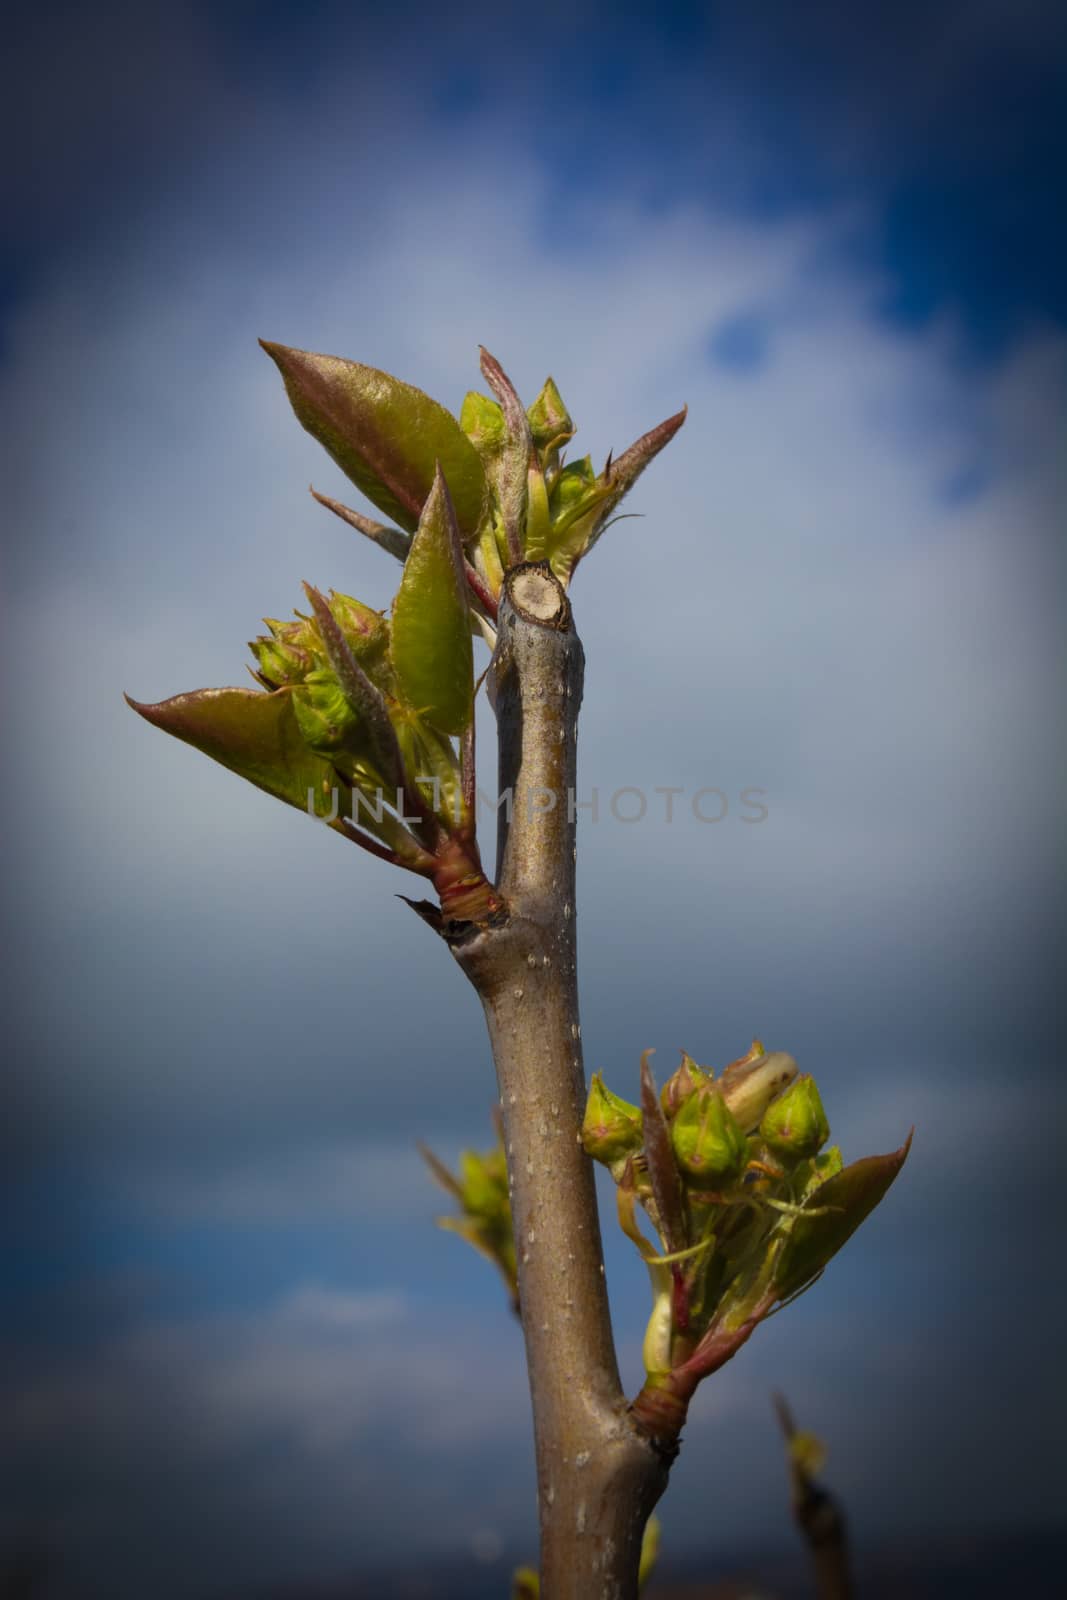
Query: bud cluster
{"x": 340, "y": 727}
{"x": 375, "y": 710}
{"x": 540, "y": 507}
{"x": 746, "y": 1201}
{"x": 517, "y": 498}
{"x": 377, "y": 713}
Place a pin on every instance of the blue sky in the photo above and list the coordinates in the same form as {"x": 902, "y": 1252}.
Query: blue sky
{"x": 840, "y": 242}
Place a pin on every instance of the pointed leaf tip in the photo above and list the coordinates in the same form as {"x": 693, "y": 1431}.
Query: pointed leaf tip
{"x": 383, "y": 433}
{"x": 838, "y": 1206}
{"x": 550, "y": 422}
{"x": 506, "y": 394}
{"x": 254, "y": 734}
{"x": 393, "y": 540}
{"x": 438, "y": 1171}
{"x": 624, "y": 470}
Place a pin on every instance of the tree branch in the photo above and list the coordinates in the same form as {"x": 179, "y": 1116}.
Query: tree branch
{"x": 820, "y": 1518}
{"x": 598, "y": 1476}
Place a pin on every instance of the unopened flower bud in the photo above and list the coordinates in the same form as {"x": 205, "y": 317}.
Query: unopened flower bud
{"x": 612, "y": 1128}
{"x": 550, "y": 422}
{"x": 749, "y": 1086}
{"x": 482, "y": 420}
{"x": 280, "y": 662}
{"x": 366, "y": 632}
{"x": 325, "y": 718}
{"x": 289, "y": 652}
{"x": 755, "y": 1052}
{"x": 681, "y": 1085}
{"x": 299, "y": 631}
{"x": 794, "y": 1125}
{"x": 709, "y": 1145}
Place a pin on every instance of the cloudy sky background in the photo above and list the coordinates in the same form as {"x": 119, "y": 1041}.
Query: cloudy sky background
{"x": 235, "y": 1348}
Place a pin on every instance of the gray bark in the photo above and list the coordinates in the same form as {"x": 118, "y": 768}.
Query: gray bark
{"x": 598, "y": 1476}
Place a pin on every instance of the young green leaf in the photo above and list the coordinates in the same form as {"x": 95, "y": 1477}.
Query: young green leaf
{"x": 431, "y": 756}
{"x": 579, "y": 529}
{"x": 433, "y": 657}
{"x": 387, "y": 436}
{"x": 256, "y": 735}
{"x": 393, "y": 540}
{"x": 624, "y": 471}
{"x": 838, "y": 1208}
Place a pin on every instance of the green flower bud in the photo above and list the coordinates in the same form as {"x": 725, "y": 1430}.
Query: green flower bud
{"x": 612, "y": 1128}
{"x": 709, "y": 1145}
{"x": 682, "y": 1085}
{"x": 280, "y": 663}
{"x": 325, "y": 718}
{"x": 300, "y": 631}
{"x": 482, "y": 420}
{"x": 366, "y": 632}
{"x": 794, "y": 1125}
{"x": 749, "y": 1085}
{"x": 289, "y": 653}
{"x": 550, "y": 422}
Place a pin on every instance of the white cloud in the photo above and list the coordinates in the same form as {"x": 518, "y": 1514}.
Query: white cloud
{"x": 322, "y": 1182}
{"x": 806, "y": 607}
{"x": 313, "y": 1413}
{"x": 802, "y": 608}
{"x": 340, "y": 1311}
